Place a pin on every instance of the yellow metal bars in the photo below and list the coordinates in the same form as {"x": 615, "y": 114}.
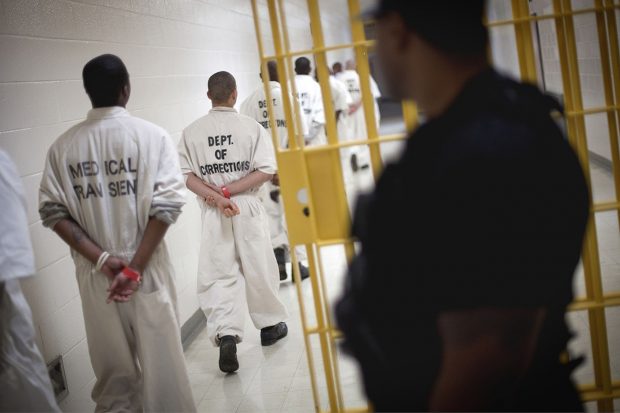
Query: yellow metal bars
{"x": 613, "y": 100}
{"x": 289, "y": 67}
{"x": 591, "y": 263}
{"x": 292, "y": 142}
{"x": 277, "y": 43}
{"x": 326, "y": 337}
{"x": 304, "y": 325}
{"x": 410, "y": 115}
{"x": 595, "y": 302}
{"x": 610, "y": 99}
{"x": 320, "y": 309}
{"x": 268, "y": 97}
{"x": 550, "y": 16}
{"x": 525, "y": 48}
{"x": 363, "y": 68}
{"x": 294, "y": 53}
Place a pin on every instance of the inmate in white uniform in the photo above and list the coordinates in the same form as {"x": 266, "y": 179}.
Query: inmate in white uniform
{"x": 237, "y": 263}
{"x": 111, "y": 173}
{"x": 24, "y": 382}
{"x": 357, "y": 124}
{"x": 341, "y": 99}
{"x": 255, "y": 106}
{"x": 313, "y": 115}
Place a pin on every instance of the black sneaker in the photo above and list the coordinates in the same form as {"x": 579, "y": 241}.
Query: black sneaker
{"x": 281, "y": 259}
{"x": 228, "y": 354}
{"x": 354, "y": 164}
{"x": 303, "y": 270}
{"x": 269, "y": 335}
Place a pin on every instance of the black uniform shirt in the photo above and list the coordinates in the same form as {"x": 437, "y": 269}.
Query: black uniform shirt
{"x": 487, "y": 207}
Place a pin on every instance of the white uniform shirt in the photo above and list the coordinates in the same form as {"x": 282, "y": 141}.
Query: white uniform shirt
{"x": 255, "y": 106}
{"x": 311, "y": 101}
{"x": 356, "y": 128}
{"x": 352, "y": 80}
{"x": 111, "y": 173}
{"x": 340, "y": 94}
{"x": 16, "y": 258}
{"x": 224, "y": 146}
{"x": 341, "y": 99}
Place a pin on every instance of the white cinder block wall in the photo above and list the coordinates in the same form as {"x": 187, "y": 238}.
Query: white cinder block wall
{"x": 170, "y": 48}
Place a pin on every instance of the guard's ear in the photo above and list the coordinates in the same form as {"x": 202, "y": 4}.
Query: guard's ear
{"x": 209, "y": 95}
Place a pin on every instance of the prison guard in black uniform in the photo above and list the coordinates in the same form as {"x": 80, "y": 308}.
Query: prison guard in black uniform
{"x": 486, "y": 208}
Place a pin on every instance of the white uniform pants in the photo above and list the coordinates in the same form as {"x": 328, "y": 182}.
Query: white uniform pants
{"x": 237, "y": 265}
{"x": 275, "y": 216}
{"x": 356, "y": 123}
{"x": 277, "y": 223}
{"x": 24, "y": 383}
{"x": 135, "y": 347}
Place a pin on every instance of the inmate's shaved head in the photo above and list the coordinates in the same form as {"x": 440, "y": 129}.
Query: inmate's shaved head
{"x": 104, "y": 79}
{"x": 272, "y": 68}
{"x": 221, "y": 85}
{"x": 302, "y": 66}
{"x": 337, "y": 67}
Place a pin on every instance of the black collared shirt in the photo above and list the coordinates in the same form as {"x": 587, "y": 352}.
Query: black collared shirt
{"x": 487, "y": 207}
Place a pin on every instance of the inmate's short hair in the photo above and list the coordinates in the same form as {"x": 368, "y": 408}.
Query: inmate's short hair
{"x": 337, "y": 67}
{"x": 272, "y": 69}
{"x": 221, "y": 85}
{"x": 455, "y": 27}
{"x": 302, "y": 66}
{"x": 104, "y": 78}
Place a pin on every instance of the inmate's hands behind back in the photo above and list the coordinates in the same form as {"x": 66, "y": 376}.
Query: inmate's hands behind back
{"x": 227, "y": 207}
{"x": 121, "y": 289}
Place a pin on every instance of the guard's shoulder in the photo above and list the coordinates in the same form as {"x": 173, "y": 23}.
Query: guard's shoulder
{"x": 502, "y": 115}
{"x": 495, "y": 135}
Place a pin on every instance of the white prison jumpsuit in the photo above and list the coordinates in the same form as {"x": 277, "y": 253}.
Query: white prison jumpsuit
{"x": 357, "y": 125}
{"x": 341, "y": 99}
{"x": 255, "y": 106}
{"x": 111, "y": 174}
{"x": 24, "y": 382}
{"x": 312, "y": 112}
{"x": 237, "y": 263}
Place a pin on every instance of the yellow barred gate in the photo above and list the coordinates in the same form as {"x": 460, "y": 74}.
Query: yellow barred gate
{"x": 313, "y": 190}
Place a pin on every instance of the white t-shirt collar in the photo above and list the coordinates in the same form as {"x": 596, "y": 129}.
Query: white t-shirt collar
{"x": 107, "y": 112}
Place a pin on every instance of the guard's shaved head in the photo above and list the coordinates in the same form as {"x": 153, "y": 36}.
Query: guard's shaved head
{"x": 272, "y": 69}
{"x": 302, "y": 66}
{"x": 221, "y": 86}
{"x": 350, "y": 65}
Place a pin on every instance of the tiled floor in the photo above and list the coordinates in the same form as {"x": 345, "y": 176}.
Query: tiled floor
{"x": 270, "y": 379}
